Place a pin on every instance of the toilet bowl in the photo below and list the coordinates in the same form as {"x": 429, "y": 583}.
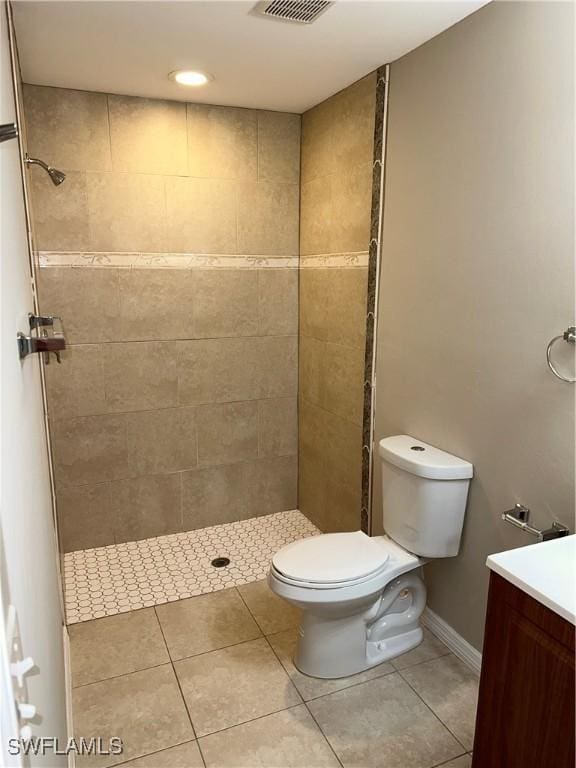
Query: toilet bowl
{"x": 361, "y": 597}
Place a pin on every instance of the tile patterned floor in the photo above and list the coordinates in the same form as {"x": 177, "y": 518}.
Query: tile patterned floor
{"x": 124, "y": 577}
{"x": 209, "y": 681}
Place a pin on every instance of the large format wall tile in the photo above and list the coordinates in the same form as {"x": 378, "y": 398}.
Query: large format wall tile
{"x": 277, "y": 427}
{"x": 351, "y": 207}
{"x": 87, "y": 300}
{"x": 278, "y": 363}
{"x": 333, "y": 305}
{"x": 85, "y": 517}
{"x": 222, "y": 142}
{"x": 90, "y": 449}
{"x": 161, "y": 441}
{"x": 317, "y": 151}
{"x": 200, "y": 215}
{"x": 156, "y": 304}
{"x": 67, "y": 129}
{"x": 127, "y": 212}
{"x": 268, "y": 218}
{"x": 226, "y": 303}
{"x": 353, "y": 130}
{"x": 277, "y": 301}
{"x": 227, "y": 433}
{"x": 61, "y": 214}
{"x": 316, "y": 216}
{"x": 278, "y": 147}
{"x": 146, "y": 506}
{"x": 140, "y": 376}
{"x": 77, "y": 387}
{"x": 148, "y": 135}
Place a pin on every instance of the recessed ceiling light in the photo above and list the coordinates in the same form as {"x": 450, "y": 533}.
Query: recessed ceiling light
{"x": 190, "y": 77}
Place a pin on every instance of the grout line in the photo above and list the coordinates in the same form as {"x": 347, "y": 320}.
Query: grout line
{"x": 327, "y": 740}
{"x": 176, "y": 676}
{"x": 245, "y": 722}
{"x": 124, "y": 674}
{"x": 132, "y": 760}
{"x": 431, "y": 710}
{"x": 447, "y": 762}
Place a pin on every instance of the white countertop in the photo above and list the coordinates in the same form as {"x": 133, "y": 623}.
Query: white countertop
{"x": 546, "y": 571}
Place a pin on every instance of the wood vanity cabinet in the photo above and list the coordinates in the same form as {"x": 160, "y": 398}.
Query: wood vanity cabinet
{"x": 526, "y": 713}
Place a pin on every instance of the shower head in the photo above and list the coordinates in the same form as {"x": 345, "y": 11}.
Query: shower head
{"x": 56, "y": 176}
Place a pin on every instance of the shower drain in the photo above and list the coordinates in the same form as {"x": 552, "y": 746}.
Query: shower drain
{"x": 220, "y": 562}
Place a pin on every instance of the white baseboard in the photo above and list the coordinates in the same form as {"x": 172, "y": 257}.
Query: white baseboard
{"x": 459, "y": 647}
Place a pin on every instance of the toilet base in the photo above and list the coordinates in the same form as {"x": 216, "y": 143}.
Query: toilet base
{"x": 331, "y": 646}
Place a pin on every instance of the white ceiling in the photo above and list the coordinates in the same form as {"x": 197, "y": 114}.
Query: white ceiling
{"x": 130, "y": 47}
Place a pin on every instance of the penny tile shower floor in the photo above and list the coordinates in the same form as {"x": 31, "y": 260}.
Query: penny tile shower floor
{"x": 123, "y": 577}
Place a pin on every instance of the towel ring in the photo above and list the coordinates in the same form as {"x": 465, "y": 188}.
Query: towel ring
{"x": 569, "y": 335}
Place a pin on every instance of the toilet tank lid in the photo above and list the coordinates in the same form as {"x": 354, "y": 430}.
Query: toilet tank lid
{"x": 424, "y": 460}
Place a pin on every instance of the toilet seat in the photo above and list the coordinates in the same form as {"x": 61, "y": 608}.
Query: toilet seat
{"x": 331, "y": 560}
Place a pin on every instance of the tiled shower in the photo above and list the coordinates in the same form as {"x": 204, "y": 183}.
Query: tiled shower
{"x": 210, "y": 266}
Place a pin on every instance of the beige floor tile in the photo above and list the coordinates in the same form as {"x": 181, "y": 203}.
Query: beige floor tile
{"x": 284, "y": 645}
{"x": 271, "y": 612}
{"x": 430, "y": 648}
{"x": 183, "y": 756}
{"x": 289, "y": 739}
{"x": 465, "y": 761}
{"x": 116, "y": 645}
{"x": 234, "y": 685}
{"x": 145, "y": 709}
{"x": 206, "y": 623}
{"x": 383, "y": 723}
{"x": 451, "y": 690}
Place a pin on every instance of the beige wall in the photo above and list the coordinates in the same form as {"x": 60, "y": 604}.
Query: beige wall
{"x": 175, "y": 404}
{"x": 336, "y": 192}
{"x": 478, "y": 275}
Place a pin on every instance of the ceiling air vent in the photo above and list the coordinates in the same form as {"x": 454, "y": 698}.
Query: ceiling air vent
{"x": 295, "y": 11}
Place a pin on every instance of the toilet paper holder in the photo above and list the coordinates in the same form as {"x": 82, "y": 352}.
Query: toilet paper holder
{"x": 519, "y": 517}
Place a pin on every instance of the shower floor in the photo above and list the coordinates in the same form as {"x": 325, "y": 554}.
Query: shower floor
{"x": 138, "y": 574}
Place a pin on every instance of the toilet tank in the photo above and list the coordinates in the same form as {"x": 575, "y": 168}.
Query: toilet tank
{"x": 424, "y": 496}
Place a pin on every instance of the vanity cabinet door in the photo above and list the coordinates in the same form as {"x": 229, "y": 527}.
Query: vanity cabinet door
{"x": 526, "y": 713}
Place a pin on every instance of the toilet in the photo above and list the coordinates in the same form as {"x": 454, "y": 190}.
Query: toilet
{"x": 362, "y": 597}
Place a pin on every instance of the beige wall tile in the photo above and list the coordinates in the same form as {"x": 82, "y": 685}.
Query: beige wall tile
{"x": 67, "y": 129}
{"x": 77, "y": 386}
{"x": 86, "y": 299}
{"x": 343, "y": 450}
{"x": 277, "y": 301}
{"x": 214, "y": 495}
{"x": 161, "y": 441}
{"x": 226, "y": 303}
{"x": 60, "y": 220}
{"x": 145, "y": 709}
{"x": 201, "y": 215}
{"x": 343, "y": 506}
{"x": 353, "y": 130}
{"x": 278, "y": 147}
{"x": 218, "y": 370}
{"x": 351, "y": 209}
{"x": 148, "y": 135}
{"x": 127, "y": 212}
{"x": 310, "y": 369}
{"x": 278, "y": 364}
{"x": 268, "y": 218}
{"x": 333, "y": 305}
{"x": 318, "y": 141}
{"x": 316, "y": 216}
{"x": 146, "y": 506}
{"x": 90, "y": 449}
{"x": 227, "y": 433}
{"x": 222, "y": 142}
{"x": 140, "y": 375}
{"x": 85, "y": 517}
{"x": 156, "y": 304}
{"x": 312, "y": 493}
{"x": 277, "y": 427}
{"x": 342, "y": 388}
{"x": 276, "y": 483}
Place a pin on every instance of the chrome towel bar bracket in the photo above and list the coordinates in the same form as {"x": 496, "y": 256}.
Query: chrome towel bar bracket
{"x": 569, "y": 335}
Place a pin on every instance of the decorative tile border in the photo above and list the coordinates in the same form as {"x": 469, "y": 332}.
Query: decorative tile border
{"x": 340, "y": 260}
{"x": 374, "y": 258}
{"x": 162, "y": 260}
{"x": 123, "y": 577}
